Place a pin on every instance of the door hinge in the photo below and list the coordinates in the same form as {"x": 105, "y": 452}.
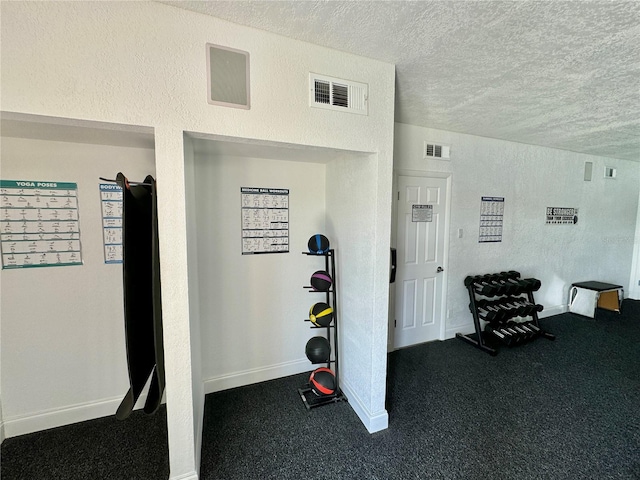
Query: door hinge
{"x": 398, "y": 195}
{"x": 395, "y": 323}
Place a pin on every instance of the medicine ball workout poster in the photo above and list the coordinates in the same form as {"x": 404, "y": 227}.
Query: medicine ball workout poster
{"x": 265, "y": 220}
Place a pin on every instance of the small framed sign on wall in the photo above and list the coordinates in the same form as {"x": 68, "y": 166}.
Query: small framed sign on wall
{"x": 562, "y": 216}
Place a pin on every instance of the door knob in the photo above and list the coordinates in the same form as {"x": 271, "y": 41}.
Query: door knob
{"x": 440, "y": 269}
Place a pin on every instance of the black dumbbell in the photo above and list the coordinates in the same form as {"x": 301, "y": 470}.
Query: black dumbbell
{"x": 523, "y": 334}
{"x": 509, "y": 287}
{"x": 487, "y": 284}
{"x": 509, "y": 308}
{"x": 529, "y": 308}
{"x": 502, "y": 334}
{"x": 481, "y": 288}
{"x": 530, "y": 333}
{"x": 532, "y": 284}
{"x": 470, "y": 279}
{"x": 518, "y": 285}
{"x": 511, "y": 274}
{"x": 486, "y": 289}
{"x": 533, "y": 327}
{"x": 502, "y": 306}
{"x": 524, "y": 284}
{"x": 488, "y": 312}
{"x": 518, "y": 307}
{"x": 523, "y": 306}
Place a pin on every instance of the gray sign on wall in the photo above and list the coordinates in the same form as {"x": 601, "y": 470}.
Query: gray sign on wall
{"x": 562, "y": 216}
{"x": 422, "y": 213}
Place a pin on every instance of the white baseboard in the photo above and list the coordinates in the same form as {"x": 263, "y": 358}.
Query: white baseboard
{"x": 1, "y": 424}
{"x": 57, "y": 417}
{"x": 255, "y": 375}
{"x": 551, "y": 311}
{"x": 451, "y": 332}
{"x": 185, "y": 476}
{"x": 373, "y": 422}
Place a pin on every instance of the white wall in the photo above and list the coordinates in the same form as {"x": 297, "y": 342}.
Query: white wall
{"x": 143, "y": 63}
{"x": 362, "y": 292}
{"x": 252, "y": 307}
{"x": 194, "y": 300}
{"x": 63, "y": 346}
{"x": 634, "y": 281}
{"x": 599, "y": 247}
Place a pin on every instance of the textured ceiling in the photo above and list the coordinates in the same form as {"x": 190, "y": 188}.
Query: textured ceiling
{"x": 562, "y": 74}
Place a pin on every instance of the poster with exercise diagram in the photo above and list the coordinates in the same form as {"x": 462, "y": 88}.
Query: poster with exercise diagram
{"x": 265, "y": 220}
{"x": 111, "y": 205}
{"x": 491, "y": 218}
{"x": 39, "y": 224}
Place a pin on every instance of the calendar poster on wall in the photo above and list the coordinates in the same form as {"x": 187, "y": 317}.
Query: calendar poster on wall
{"x": 491, "y": 216}
{"x": 39, "y": 224}
{"x": 265, "y": 220}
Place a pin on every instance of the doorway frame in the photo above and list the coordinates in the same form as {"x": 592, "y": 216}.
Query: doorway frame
{"x": 448, "y": 176}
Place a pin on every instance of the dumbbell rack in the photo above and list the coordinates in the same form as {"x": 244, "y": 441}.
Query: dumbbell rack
{"x": 310, "y": 399}
{"x": 507, "y": 289}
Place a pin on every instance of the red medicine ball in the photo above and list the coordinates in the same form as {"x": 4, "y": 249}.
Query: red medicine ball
{"x": 322, "y": 381}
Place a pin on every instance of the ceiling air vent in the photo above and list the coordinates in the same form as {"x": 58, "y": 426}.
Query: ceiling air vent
{"x": 337, "y": 94}
{"x": 440, "y": 152}
{"x": 610, "y": 172}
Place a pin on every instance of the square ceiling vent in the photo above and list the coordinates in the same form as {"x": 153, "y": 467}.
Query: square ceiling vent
{"x": 337, "y": 94}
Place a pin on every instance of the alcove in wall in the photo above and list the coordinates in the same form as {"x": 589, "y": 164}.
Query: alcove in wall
{"x": 249, "y": 310}
{"x": 63, "y": 343}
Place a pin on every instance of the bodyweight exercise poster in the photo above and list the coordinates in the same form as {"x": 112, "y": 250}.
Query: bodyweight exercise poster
{"x": 111, "y": 205}
{"x": 265, "y": 220}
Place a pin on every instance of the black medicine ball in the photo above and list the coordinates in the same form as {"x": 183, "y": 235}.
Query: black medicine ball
{"x": 321, "y": 281}
{"x": 318, "y": 350}
{"x": 321, "y": 314}
{"x": 318, "y": 244}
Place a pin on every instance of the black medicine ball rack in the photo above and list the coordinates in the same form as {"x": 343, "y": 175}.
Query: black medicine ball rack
{"x": 308, "y": 396}
{"x": 501, "y": 302}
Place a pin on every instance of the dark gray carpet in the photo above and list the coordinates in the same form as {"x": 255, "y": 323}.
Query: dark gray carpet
{"x": 568, "y": 409}
{"x": 563, "y": 409}
{"x": 105, "y": 448}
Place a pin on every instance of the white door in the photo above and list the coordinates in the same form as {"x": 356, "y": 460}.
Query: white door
{"x": 420, "y": 259}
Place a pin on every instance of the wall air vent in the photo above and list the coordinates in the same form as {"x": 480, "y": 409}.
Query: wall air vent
{"x": 439, "y": 152}
{"x": 336, "y": 94}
